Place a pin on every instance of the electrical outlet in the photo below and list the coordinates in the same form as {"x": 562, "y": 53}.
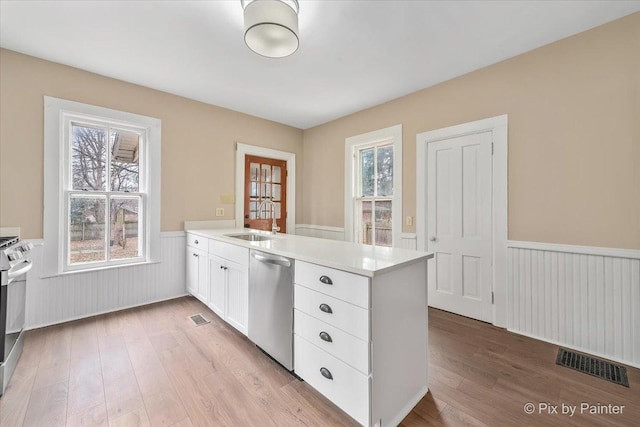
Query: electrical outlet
{"x": 409, "y": 220}
{"x": 219, "y": 211}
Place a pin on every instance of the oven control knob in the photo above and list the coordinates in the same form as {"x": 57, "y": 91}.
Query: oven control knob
{"x": 14, "y": 256}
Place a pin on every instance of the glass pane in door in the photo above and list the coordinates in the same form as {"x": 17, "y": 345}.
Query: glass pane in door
{"x": 276, "y": 174}
{"x": 254, "y": 171}
{"x": 275, "y": 192}
{"x": 266, "y": 173}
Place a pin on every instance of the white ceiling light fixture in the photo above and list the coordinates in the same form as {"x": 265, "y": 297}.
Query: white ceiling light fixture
{"x": 271, "y": 26}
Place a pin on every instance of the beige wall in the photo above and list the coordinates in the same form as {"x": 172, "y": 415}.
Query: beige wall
{"x": 198, "y": 141}
{"x": 574, "y": 138}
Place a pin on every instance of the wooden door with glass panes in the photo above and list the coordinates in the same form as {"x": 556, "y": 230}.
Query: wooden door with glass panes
{"x": 265, "y": 179}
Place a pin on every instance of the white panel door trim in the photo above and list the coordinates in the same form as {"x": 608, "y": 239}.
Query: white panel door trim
{"x": 290, "y": 158}
{"x": 498, "y": 127}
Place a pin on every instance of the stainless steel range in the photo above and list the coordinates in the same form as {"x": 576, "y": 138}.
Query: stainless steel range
{"x": 15, "y": 261}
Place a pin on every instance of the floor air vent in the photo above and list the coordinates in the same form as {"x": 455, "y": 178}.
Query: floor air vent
{"x": 198, "y": 319}
{"x": 593, "y": 366}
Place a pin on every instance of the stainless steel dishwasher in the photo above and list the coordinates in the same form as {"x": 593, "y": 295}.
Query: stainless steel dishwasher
{"x": 271, "y": 305}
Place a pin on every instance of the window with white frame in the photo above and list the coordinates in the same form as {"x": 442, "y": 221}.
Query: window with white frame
{"x": 102, "y": 172}
{"x": 373, "y": 187}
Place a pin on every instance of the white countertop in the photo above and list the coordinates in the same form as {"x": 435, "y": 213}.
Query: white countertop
{"x": 353, "y": 257}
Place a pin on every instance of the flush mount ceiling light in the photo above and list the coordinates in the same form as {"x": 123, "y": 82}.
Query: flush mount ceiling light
{"x": 271, "y": 26}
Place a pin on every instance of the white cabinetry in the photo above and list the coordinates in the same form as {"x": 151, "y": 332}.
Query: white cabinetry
{"x": 362, "y": 342}
{"x": 229, "y": 283}
{"x": 217, "y": 284}
{"x": 218, "y": 275}
{"x": 197, "y": 281}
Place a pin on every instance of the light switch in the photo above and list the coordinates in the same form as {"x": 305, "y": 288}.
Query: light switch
{"x": 409, "y": 220}
{"x": 227, "y": 199}
{"x": 219, "y": 211}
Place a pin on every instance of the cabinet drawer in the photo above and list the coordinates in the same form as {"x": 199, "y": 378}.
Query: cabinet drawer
{"x": 348, "y": 389}
{"x": 340, "y": 284}
{"x": 234, "y": 253}
{"x": 344, "y": 316}
{"x": 196, "y": 241}
{"x": 351, "y": 350}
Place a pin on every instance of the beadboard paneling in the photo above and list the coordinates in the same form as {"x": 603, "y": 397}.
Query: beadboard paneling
{"x": 589, "y": 302}
{"x": 409, "y": 241}
{"x": 322, "y": 231}
{"x": 72, "y": 296}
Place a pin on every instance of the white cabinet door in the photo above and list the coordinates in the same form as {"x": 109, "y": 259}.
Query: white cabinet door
{"x": 192, "y": 271}
{"x": 217, "y": 285}
{"x": 203, "y": 276}
{"x": 197, "y": 274}
{"x": 237, "y": 296}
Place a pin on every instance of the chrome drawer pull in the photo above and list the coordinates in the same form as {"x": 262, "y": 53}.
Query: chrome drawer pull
{"x": 325, "y": 308}
{"x": 325, "y": 337}
{"x": 326, "y": 373}
{"x": 326, "y": 280}
{"x": 195, "y": 241}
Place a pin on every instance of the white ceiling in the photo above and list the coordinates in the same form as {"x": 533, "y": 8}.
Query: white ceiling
{"x": 353, "y": 54}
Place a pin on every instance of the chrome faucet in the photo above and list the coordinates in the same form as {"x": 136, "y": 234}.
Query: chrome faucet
{"x": 274, "y": 226}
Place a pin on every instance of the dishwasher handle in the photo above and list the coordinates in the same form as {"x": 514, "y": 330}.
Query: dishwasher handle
{"x": 270, "y": 259}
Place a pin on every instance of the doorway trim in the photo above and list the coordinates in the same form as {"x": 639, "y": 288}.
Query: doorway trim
{"x": 499, "y": 204}
{"x": 290, "y": 158}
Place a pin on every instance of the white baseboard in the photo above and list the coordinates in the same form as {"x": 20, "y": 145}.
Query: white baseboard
{"x": 57, "y": 322}
{"x": 407, "y": 408}
{"x": 577, "y": 348}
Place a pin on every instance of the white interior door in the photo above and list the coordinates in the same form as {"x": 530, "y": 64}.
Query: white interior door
{"x": 459, "y": 225}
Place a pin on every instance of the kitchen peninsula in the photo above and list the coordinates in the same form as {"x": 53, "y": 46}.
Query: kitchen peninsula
{"x": 359, "y": 313}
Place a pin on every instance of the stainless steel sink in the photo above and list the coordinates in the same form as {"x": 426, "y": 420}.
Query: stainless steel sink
{"x": 251, "y": 237}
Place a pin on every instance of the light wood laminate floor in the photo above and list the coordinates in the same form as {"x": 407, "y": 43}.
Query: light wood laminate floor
{"x": 152, "y": 366}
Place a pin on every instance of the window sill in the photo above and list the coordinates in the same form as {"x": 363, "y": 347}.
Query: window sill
{"x": 96, "y": 269}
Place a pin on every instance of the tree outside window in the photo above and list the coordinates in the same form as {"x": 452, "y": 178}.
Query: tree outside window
{"x": 374, "y": 201}
{"x": 104, "y": 201}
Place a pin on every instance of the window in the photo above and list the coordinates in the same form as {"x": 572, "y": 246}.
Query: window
{"x": 102, "y": 173}
{"x": 373, "y": 187}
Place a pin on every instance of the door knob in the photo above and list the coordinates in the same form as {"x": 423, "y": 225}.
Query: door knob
{"x": 433, "y": 238}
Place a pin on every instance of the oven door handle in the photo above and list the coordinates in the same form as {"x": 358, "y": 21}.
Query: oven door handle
{"x": 23, "y": 268}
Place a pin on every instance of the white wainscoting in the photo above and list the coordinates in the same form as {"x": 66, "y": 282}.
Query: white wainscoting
{"x": 73, "y": 296}
{"x": 322, "y": 231}
{"x": 409, "y": 241}
{"x": 585, "y": 298}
